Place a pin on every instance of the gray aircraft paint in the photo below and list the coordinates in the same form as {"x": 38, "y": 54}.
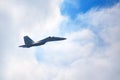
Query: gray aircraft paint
{"x": 30, "y": 43}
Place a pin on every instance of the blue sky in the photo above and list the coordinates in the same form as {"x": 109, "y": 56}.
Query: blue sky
{"x": 91, "y": 51}
{"x": 71, "y": 8}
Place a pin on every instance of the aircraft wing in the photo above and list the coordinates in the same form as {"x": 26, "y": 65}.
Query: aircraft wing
{"x": 48, "y": 39}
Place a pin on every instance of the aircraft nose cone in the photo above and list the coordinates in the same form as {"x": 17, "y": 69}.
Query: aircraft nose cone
{"x": 62, "y": 38}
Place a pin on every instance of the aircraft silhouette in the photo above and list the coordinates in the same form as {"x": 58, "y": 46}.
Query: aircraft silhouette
{"x": 30, "y": 43}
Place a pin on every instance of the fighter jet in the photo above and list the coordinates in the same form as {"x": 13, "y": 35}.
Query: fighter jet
{"x": 30, "y": 43}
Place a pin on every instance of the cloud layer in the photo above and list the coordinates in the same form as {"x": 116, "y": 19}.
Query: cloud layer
{"x": 89, "y": 53}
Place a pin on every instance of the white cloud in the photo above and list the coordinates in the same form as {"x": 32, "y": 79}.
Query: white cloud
{"x": 34, "y": 18}
{"x": 104, "y": 63}
{"x": 76, "y": 58}
{"x": 89, "y": 61}
{"x": 19, "y": 18}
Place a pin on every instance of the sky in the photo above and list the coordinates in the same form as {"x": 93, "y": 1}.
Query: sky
{"x": 91, "y": 51}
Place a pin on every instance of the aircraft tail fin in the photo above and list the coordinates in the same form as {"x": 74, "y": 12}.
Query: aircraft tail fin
{"x": 28, "y": 40}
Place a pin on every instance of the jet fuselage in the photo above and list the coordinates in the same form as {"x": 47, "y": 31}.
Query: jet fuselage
{"x": 29, "y": 42}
